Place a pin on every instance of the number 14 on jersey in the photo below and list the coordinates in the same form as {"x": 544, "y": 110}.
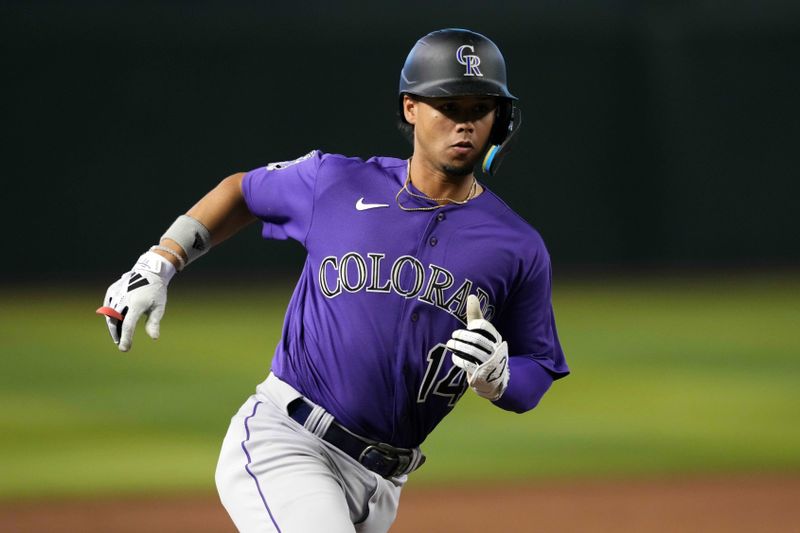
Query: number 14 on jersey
{"x": 451, "y": 386}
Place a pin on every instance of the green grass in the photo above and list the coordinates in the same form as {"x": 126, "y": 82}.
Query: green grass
{"x": 670, "y": 376}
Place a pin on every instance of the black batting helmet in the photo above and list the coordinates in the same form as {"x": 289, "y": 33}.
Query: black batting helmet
{"x": 458, "y": 62}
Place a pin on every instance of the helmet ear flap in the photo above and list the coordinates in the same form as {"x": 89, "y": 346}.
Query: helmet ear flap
{"x": 500, "y": 146}
{"x": 502, "y": 121}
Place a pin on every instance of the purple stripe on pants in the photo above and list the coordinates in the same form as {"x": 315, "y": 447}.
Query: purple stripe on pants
{"x": 247, "y": 466}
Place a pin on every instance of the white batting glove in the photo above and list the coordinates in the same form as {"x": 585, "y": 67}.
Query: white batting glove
{"x": 481, "y": 352}
{"x": 142, "y": 291}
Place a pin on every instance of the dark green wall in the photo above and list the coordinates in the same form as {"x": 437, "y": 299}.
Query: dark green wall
{"x": 654, "y": 134}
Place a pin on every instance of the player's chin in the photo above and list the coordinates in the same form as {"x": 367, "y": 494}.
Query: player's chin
{"x": 454, "y": 170}
{"x": 460, "y": 167}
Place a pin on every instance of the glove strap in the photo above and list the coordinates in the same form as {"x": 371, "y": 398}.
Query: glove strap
{"x": 152, "y": 262}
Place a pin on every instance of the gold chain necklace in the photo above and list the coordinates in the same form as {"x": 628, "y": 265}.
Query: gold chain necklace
{"x": 470, "y": 195}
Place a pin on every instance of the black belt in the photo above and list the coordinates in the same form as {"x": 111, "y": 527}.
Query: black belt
{"x": 383, "y": 459}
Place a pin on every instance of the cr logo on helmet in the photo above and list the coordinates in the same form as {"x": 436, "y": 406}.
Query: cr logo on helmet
{"x": 470, "y": 61}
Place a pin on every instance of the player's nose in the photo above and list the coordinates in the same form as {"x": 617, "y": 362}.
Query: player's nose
{"x": 466, "y": 125}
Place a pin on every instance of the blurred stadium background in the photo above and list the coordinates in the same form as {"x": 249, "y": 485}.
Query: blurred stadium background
{"x": 658, "y": 159}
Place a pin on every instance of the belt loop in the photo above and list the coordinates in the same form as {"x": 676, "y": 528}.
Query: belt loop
{"x": 318, "y": 421}
{"x": 417, "y": 459}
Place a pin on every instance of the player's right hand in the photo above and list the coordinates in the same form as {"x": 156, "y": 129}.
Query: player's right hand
{"x": 142, "y": 291}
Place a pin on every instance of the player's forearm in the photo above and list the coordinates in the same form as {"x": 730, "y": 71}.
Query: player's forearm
{"x": 528, "y": 383}
{"x": 223, "y": 212}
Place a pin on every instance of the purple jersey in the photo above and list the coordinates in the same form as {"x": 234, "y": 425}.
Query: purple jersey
{"x": 382, "y": 289}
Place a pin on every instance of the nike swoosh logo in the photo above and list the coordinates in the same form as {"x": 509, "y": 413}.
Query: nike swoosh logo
{"x": 361, "y": 206}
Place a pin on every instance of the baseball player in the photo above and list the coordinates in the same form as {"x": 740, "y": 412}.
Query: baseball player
{"x": 419, "y": 283}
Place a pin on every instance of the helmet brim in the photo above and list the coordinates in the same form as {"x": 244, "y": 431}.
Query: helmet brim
{"x": 457, "y": 87}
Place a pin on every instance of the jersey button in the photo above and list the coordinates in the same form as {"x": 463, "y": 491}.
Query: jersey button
{"x": 414, "y": 317}
{"x": 433, "y": 241}
{"x": 440, "y": 217}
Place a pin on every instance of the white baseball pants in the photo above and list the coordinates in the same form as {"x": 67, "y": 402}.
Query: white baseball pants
{"x": 274, "y": 475}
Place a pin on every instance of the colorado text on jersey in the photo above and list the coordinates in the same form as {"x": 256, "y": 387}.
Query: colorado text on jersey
{"x": 352, "y": 274}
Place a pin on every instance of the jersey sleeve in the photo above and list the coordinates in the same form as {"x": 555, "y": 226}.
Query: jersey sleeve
{"x": 527, "y": 322}
{"x": 282, "y": 196}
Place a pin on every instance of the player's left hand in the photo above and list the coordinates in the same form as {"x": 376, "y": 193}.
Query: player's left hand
{"x": 481, "y": 352}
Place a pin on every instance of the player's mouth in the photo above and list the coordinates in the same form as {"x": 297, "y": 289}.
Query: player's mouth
{"x": 462, "y": 147}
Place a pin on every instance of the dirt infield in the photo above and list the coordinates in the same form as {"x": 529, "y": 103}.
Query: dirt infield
{"x": 734, "y": 504}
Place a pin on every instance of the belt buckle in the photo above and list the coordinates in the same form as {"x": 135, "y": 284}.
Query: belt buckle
{"x": 384, "y": 459}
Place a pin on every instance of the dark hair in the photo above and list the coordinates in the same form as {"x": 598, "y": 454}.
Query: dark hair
{"x": 406, "y": 129}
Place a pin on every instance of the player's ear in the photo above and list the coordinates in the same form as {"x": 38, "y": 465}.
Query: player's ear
{"x": 410, "y": 109}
